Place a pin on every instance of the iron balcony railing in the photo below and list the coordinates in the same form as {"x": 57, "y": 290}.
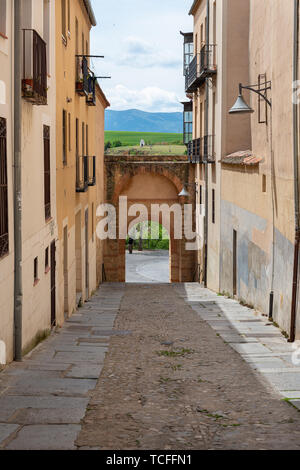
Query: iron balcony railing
{"x": 85, "y": 81}
{"x": 91, "y": 95}
{"x": 82, "y": 174}
{"x": 34, "y": 81}
{"x": 202, "y": 66}
{"x": 92, "y": 171}
{"x": 202, "y": 150}
{"x": 82, "y": 75}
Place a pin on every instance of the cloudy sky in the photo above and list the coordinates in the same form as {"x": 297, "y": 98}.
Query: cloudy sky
{"x": 143, "y": 52}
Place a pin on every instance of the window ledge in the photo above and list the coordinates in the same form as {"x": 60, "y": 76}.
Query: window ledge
{"x": 2, "y": 35}
{"x": 47, "y": 270}
{"x": 64, "y": 40}
{"x": 48, "y": 220}
{"x": 36, "y": 282}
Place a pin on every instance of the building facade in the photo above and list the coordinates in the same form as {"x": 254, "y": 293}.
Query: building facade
{"x": 6, "y": 184}
{"x": 212, "y": 74}
{"x": 37, "y": 185}
{"x": 78, "y": 155}
{"x": 250, "y": 183}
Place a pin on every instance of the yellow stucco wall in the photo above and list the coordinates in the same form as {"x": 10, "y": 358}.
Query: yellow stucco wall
{"x": 69, "y": 203}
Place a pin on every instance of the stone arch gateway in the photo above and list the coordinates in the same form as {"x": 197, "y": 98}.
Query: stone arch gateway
{"x": 150, "y": 181}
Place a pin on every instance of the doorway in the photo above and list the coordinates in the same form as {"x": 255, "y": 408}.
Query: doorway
{"x": 78, "y": 256}
{"x": 148, "y": 254}
{"x": 87, "y": 283}
{"x": 66, "y": 276}
{"x": 53, "y": 283}
{"x": 234, "y": 262}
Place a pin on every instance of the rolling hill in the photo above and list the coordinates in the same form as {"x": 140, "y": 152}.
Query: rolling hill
{"x": 133, "y": 120}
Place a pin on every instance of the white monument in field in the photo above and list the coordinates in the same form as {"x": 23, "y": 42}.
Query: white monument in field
{"x": 142, "y": 143}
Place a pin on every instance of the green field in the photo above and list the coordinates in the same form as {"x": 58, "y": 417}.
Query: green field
{"x": 129, "y": 139}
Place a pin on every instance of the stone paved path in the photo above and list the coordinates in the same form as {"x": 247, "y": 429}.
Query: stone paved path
{"x": 181, "y": 368}
{"x": 148, "y": 267}
{"x": 44, "y": 398}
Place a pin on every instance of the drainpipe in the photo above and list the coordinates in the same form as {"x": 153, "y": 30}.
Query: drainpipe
{"x": 18, "y": 293}
{"x": 296, "y": 177}
{"x": 206, "y": 164}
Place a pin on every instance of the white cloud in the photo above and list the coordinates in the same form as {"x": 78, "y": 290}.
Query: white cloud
{"x": 150, "y": 98}
{"x": 142, "y": 54}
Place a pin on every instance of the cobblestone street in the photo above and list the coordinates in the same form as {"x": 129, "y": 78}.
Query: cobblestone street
{"x": 175, "y": 373}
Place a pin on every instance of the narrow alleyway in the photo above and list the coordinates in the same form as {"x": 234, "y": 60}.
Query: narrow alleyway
{"x": 174, "y": 375}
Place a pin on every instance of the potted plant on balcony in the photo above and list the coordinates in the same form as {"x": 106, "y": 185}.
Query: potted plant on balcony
{"x": 80, "y": 86}
{"x": 27, "y": 87}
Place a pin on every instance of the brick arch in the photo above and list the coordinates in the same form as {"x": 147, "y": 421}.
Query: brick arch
{"x": 124, "y": 180}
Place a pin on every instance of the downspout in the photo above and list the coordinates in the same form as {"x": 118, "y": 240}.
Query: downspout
{"x": 206, "y": 164}
{"x": 18, "y": 293}
{"x": 296, "y": 176}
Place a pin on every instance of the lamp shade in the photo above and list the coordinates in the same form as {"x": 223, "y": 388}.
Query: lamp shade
{"x": 184, "y": 192}
{"x": 241, "y": 107}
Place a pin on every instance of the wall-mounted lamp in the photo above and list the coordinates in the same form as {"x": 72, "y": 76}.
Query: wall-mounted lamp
{"x": 241, "y": 107}
{"x": 184, "y": 192}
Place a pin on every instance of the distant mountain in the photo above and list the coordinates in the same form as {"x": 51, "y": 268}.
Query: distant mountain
{"x": 134, "y": 120}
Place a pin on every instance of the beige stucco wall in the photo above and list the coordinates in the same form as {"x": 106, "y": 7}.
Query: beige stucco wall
{"x": 229, "y": 29}
{"x": 102, "y": 104}
{"x": 245, "y": 204}
{"x": 69, "y": 203}
{"x": 37, "y": 234}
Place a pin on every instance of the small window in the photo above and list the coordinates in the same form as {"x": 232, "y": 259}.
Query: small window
{"x": 83, "y": 139}
{"x": 63, "y": 19}
{"x": 69, "y": 16}
{"x": 47, "y": 173}
{"x": 213, "y": 206}
{"x": 264, "y": 183}
{"x": 46, "y": 27}
{"x": 36, "y": 270}
{"x": 76, "y": 37}
{"x": 201, "y": 198}
{"x": 87, "y": 139}
{"x": 77, "y": 137}
{"x": 47, "y": 259}
{"x": 64, "y": 131}
{"x": 69, "y": 125}
{"x": 3, "y": 17}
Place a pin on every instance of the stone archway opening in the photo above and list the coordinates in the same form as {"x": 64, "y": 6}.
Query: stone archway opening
{"x": 144, "y": 184}
{"x": 148, "y": 248}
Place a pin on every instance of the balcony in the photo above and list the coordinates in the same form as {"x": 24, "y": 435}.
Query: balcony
{"x": 92, "y": 171}
{"x": 202, "y": 66}
{"x": 82, "y": 174}
{"x": 202, "y": 150}
{"x": 187, "y": 121}
{"x": 85, "y": 81}
{"x": 34, "y": 82}
{"x": 91, "y": 95}
{"x": 188, "y": 50}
